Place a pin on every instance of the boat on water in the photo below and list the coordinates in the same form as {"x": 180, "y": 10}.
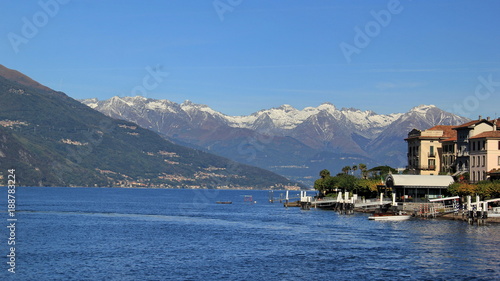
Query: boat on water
{"x": 400, "y": 216}
{"x": 224, "y": 202}
{"x": 494, "y": 213}
{"x": 389, "y": 212}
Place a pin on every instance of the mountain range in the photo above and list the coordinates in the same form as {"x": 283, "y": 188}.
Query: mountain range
{"x": 51, "y": 139}
{"x": 294, "y": 143}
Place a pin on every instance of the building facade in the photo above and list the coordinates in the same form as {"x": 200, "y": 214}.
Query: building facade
{"x": 473, "y": 147}
{"x": 484, "y": 155}
{"x": 464, "y": 133}
{"x": 425, "y": 149}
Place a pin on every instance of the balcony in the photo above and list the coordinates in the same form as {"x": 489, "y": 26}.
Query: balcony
{"x": 431, "y": 154}
{"x": 427, "y": 168}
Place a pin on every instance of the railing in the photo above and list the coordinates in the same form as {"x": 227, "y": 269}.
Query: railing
{"x": 430, "y": 168}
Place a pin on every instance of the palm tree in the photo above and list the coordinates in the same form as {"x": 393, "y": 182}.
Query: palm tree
{"x": 346, "y": 169}
{"x": 362, "y": 167}
{"x": 354, "y": 169}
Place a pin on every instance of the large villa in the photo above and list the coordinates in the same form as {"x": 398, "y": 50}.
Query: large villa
{"x": 473, "y": 148}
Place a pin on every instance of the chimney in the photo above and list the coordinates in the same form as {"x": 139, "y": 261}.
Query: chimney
{"x": 480, "y": 117}
{"x": 495, "y": 125}
{"x": 488, "y": 118}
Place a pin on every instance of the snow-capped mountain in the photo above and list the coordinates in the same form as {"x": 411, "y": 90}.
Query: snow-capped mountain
{"x": 286, "y": 140}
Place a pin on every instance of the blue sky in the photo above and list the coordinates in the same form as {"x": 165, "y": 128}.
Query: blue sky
{"x": 241, "y": 56}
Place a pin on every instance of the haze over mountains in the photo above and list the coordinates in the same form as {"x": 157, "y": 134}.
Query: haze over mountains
{"x": 51, "y": 139}
{"x": 291, "y": 142}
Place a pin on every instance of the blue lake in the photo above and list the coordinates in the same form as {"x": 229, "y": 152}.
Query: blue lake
{"x": 155, "y": 234}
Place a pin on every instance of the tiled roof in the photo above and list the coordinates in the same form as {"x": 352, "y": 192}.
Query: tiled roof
{"x": 447, "y": 130}
{"x": 474, "y": 122}
{"x": 450, "y": 139}
{"x": 488, "y": 134}
{"x": 465, "y": 125}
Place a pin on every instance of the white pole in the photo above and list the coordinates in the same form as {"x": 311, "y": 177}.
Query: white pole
{"x": 394, "y": 199}
{"x": 469, "y": 203}
{"x": 381, "y": 198}
{"x": 478, "y": 204}
{"x": 346, "y": 197}
{"x": 287, "y": 195}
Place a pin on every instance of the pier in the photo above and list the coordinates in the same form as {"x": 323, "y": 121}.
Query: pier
{"x": 449, "y": 207}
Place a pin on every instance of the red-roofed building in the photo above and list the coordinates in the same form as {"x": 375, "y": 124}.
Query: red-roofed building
{"x": 472, "y": 147}
{"x": 425, "y": 149}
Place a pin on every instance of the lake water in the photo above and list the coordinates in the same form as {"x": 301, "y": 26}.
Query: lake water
{"x": 153, "y": 234}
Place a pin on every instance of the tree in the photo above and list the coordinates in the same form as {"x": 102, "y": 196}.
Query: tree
{"x": 368, "y": 188}
{"x": 324, "y": 173}
{"x": 364, "y": 173}
{"x": 354, "y": 168}
{"x": 346, "y": 169}
{"x": 382, "y": 171}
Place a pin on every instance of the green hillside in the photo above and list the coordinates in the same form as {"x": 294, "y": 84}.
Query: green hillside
{"x": 54, "y": 140}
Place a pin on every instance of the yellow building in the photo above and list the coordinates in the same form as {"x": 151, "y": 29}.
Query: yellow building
{"x": 425, "y": 149}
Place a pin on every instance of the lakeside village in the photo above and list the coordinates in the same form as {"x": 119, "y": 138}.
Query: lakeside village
{"x": 453, "y": 172}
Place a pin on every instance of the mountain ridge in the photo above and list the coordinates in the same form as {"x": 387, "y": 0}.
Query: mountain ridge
{"x": 51, "y": 139}
{"x": 284, "y": 135}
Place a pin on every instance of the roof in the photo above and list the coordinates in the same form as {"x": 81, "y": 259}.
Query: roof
{"x": 450, "y": 139}
{"x": 448, "y": 131}
{"x": 470, "y": 123}
{"x": 420, "y": 180}
{"x": 488, "y": 134}
{"x": 475, "y": 122}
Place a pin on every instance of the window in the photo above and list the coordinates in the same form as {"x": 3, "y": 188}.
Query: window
{"x": 431, "y": 154}
{"x": 473, "y": 146}
{"x": 432, "y": 164}
{"x": 484, "y": 160}
{"x": 498, "y": 160}
{"x": 498, "y": 145}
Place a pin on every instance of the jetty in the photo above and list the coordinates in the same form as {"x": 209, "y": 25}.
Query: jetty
{"x": 447, "y": 207}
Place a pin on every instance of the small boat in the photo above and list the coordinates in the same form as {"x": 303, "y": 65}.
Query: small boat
{"x": 494, "y": 213}
{"x": 389, "y": 213}
{"x": 390, "y": 217}
{"x": 224, "y": 202}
